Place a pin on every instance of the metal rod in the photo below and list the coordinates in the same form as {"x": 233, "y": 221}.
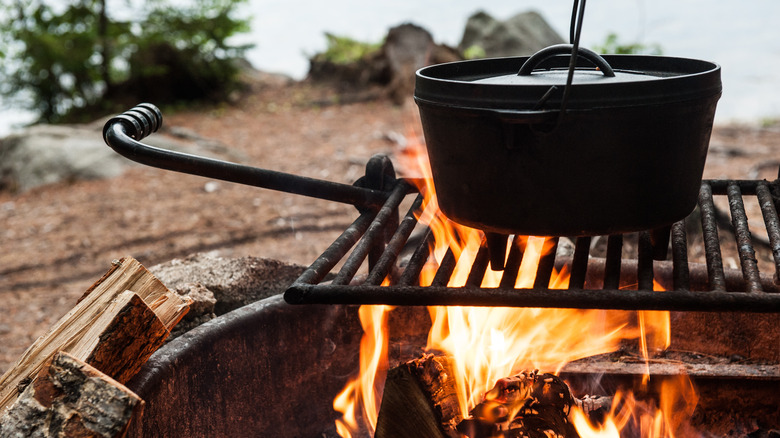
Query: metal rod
{"x": 446, "y": 267}
{"x": 579, "y": 264}
{"x": 680, "y": 271}
{"x": 325, "y": 262}
{"x": 645, "y": 262}
{"x": 385, "y": 262}
{"x": 411, "y": 274}
{"x": 747, "y": 254}
{"x": 614, "y": 256}
{"x": 772, "y": 223}
{"x": 715, "y": 301}
{"x": 375, "y": 231}
{"x": 119, "y": 131}
{"x": 478, "y": 268}
{"x": 709, "y": 226}
{"x": 720, "y": 186}
{"x": 546, "y": 264}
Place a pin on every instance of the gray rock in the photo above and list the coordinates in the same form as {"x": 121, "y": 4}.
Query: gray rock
{"x": 49, "y": 154}
{"x": 234, "y": 282}
{"x": 46, "y": 154}
{"x": 521, "y": 35}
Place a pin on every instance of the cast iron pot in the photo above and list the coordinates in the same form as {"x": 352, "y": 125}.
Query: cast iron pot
{"x": 627, "y": 153}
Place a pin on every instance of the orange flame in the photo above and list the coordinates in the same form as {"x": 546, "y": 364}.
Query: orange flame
{"x": 365, "y": 390}
{"x": 490, "y": 343}
{"x": 668, "y": 419}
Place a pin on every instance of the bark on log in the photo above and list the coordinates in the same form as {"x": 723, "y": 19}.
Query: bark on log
{"x": 419, "y": 400}
{"x": 71, "y": 399}
{"x": 105, "y": 322}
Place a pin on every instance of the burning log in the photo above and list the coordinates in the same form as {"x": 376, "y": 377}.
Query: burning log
{"x": 420, "y": 400}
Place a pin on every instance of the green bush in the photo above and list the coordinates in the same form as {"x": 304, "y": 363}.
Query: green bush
{"x": 613, "y": 46}
{"x": 77, "y": 57}
{"x": 345, "y": 50}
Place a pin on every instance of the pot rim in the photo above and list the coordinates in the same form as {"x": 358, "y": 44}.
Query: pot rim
{"x": 664, "y": 79}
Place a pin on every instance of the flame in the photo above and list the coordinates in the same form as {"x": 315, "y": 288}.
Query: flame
{"x": 365, "y": 389}
{"x": 487, "y": 344}
{"x": 666, "y": 418}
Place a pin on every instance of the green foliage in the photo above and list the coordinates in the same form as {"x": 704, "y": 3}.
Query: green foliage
{"x": 345, "y": 50}
{"x": 75, "y": 55}
{"x": 613, "y": 46}
{"x": 474, "y": 52}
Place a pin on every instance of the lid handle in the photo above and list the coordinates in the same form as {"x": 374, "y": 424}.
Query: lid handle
{"x": 565, "y": 49}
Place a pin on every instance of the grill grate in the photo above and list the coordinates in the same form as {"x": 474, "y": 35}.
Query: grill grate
{"x": 594, "y": 282}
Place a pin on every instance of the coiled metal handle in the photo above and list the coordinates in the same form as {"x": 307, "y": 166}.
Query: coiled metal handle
{"x": 124, "y": 132}
{"x": 139, "y": 122}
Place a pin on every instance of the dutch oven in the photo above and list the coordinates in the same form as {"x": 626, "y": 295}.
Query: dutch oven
{"x": 623, "y": 151}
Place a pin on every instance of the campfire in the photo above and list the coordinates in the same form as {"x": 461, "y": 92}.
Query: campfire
{"x": 493, "y": 367}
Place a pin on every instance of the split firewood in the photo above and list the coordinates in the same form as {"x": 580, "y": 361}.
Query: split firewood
{"x": 71, "y": 399}
{"x": 115, "y": 327}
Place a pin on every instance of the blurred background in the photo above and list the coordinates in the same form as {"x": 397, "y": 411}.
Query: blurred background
{"x": 739, "y": 35}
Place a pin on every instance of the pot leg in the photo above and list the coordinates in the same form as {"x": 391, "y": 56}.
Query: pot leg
{"x": 659, "y": 238}
{"x": 496, "y": 244}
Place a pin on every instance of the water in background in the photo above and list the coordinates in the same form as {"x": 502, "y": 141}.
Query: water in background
{"x": 743, "y": 36}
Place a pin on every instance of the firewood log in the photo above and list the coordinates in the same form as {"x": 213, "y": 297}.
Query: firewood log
{"x": 116, "y": 325}
{"x": 71, "y": 399}
{"x": 419, "y": 400}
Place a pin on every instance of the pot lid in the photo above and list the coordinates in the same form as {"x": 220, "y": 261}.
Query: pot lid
{"x": 538, "y": 82}
{"x": 529, "y": 74}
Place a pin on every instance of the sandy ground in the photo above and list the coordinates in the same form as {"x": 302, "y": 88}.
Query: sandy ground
{"x": 57, "y": 240}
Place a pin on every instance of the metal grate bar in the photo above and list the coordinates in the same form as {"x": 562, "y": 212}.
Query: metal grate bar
{"x": 613, "y": 262}
{"x": 645, "y": 262}
{"x": 479, "y": 266}
{"x": 444, "y": 272}
{"x": 546, "y": 264}
{"x": 772, "y": 223}
{"x": 714, "y": 301}
{"x": 681, "y": 276}
{"x": 747, "y": 255}
{"x": 685, "y": 277}
{"x": 579, "y": 264}
{"x": 720, "y": 186}
{"x": 375, "y": 231}
{"x": 411, "y": 275}
{"x": 384, "y": 264}
{"x": 337, "y": 250}
{"x": 709, "y": 225}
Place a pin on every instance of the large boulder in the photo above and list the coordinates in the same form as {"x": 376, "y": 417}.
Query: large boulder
{"x": 521, "y": 35}
{"x": 48, "y": 154}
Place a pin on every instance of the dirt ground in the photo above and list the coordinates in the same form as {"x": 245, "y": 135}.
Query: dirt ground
{"x": 57, "y": 240}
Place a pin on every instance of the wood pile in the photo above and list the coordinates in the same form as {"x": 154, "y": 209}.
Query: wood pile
{"x": 69, "y": 382}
